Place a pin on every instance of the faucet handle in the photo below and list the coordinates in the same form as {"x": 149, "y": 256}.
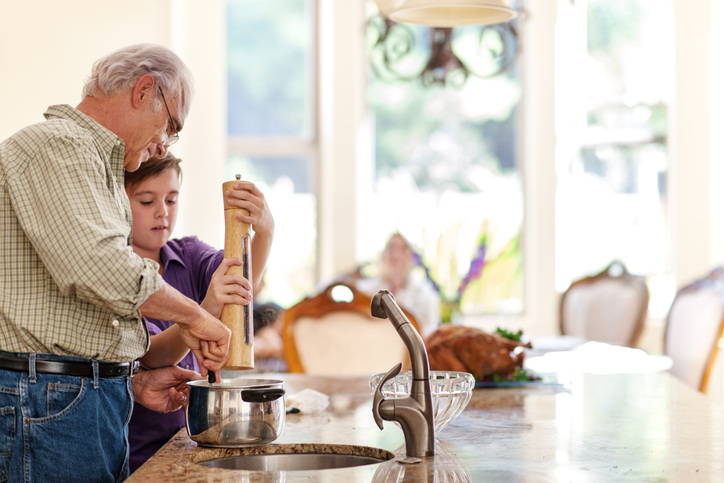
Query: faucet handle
{"x": 378, "y": 393}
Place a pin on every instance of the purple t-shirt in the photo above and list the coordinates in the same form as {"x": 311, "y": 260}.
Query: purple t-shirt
{"x": 188, "y": 264}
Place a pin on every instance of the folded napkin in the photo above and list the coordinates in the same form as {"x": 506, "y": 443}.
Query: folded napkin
{"x": 307, "y": 401}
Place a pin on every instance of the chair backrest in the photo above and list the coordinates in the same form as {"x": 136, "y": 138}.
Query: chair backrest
{"x": 694, "y": 329}
{"x": 609, "y": 307}
{"x": 335, "y": 334}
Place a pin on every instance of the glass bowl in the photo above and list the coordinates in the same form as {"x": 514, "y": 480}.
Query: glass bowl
{"x": 451, "y": 392}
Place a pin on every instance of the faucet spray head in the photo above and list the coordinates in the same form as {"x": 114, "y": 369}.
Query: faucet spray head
{"x": 376, "y": 307}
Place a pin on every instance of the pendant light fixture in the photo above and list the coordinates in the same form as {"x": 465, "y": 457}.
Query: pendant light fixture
{"x": 447, "y": 13}
{"x": 467, "y": 38}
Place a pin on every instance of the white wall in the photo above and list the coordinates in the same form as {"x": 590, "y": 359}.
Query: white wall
{"x": 199, "y": 37}
{"x": 692, "y": 150}
{"x": 47, "y": 49}
{"x": 341, "y": 99}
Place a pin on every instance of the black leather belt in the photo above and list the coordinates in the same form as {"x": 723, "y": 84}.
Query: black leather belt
{"x": 68, "y": 368}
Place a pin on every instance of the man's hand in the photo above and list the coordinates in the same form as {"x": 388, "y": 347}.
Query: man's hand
{"x": 164, "y": 389}
{"x": 209, "y": 340}
{"x": 206, "y": 336}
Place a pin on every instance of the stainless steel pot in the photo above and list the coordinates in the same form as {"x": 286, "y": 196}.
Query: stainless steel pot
{"x": 235, "y": 413}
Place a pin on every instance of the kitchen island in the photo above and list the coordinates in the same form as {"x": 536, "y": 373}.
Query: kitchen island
{"x": 621, "y": 427}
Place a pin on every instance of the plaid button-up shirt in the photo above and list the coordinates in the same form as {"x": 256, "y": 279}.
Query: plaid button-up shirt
{"x": 70, "y": 283}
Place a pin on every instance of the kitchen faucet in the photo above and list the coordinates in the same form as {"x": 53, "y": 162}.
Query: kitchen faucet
{"x": 414, "y": 413}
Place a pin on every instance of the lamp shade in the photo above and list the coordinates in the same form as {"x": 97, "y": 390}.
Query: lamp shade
{"x": 447, "y": 13}
{"x": 385, "y": 6}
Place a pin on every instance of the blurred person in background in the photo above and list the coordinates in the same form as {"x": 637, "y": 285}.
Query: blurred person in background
{"x": 416, "y": 295}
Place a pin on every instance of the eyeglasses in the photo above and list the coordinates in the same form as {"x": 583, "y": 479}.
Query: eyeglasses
{"x": 172, "y": 138}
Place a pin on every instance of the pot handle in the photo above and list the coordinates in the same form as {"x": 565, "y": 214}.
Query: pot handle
{"x": 262, "y": 394}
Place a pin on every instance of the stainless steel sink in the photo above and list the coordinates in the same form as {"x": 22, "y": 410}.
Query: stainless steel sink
{"x": 304, "y": 457}
{"x": 290, "y": 462}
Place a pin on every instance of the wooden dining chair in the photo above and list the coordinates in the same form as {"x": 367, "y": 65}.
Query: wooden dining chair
{"x": 609, "y": 307}
{"x": 694, "y": 329}
{"x": 334, "y": 332}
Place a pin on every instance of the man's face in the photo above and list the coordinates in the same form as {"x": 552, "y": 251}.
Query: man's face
{"x": 152, "y": 130}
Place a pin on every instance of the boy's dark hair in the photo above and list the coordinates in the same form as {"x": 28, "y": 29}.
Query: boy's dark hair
{"x": 151, "y": 168}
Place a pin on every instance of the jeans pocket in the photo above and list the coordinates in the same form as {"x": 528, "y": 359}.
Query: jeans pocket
{"x": 8, "y": 433}
{"x": 61, "y": 398}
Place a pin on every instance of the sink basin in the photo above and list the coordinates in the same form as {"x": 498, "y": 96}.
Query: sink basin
{"x": 290, "y": 461}
{"x": 299, "y": 457}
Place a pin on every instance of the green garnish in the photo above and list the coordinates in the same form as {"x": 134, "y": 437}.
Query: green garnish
{"x": 514, "y": 336}
{"x": 519, "y": 375}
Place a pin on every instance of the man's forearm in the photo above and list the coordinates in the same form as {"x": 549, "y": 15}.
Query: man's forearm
{"x": 170, "y": 304}
{"x": 206, "y": 336}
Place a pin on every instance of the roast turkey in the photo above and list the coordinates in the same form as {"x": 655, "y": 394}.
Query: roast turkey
{"x": 468, "y": 349}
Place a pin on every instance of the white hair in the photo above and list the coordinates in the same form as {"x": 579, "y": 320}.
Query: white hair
{"x": 122, "y": 68}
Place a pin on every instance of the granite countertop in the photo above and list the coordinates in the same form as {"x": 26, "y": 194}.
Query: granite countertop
{"x": 626, "y": 427}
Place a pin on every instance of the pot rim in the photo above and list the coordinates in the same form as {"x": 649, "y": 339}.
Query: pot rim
{"x": 237, "y": 383}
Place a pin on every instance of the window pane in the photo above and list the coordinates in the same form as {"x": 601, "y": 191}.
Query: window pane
{"x": 611, "y": 200}
{"x": 446, "y": 166}
{"x": 289, "y": 173}
{"x": 271, "y": 119}
{"x": 270, "y": 46}
{"x": 612, "y": 205}
{"x": 284, "y": 181}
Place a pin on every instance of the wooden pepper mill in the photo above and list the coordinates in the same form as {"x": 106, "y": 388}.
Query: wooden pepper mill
{"x": 238, "y": 318}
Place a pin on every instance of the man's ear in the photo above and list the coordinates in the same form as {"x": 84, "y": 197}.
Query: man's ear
{"x": 143, "y": 90}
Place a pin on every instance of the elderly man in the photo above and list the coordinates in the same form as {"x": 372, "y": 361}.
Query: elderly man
{"x": 71, "y": 289}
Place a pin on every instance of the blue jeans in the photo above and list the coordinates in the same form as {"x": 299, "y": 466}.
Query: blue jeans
{"x": 63, "y": 428}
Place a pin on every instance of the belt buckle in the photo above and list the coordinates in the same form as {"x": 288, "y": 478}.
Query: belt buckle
{"x": 134, "y": 367}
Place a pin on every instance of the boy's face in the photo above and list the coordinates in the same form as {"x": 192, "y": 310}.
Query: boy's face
{"x": 154, "y": 207}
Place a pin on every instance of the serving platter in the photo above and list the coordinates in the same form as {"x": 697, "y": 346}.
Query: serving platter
{"x": 499, "y": 384}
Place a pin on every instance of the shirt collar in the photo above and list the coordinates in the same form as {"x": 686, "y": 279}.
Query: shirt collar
{"x": 168, "y": 255}
{"x": 108, "y": 141}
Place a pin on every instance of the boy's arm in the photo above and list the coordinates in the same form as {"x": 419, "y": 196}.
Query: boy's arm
{"x": 260, "y": 248}
{"x": 167, "y": 349}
